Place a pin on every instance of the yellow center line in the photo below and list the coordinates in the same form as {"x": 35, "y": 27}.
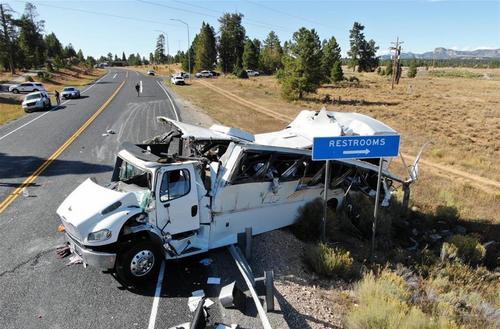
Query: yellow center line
{"x": 7, "y": 201}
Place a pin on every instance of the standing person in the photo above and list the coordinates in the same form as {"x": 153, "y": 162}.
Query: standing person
{"x": 58, "y": 98}
{"x": 137, "y": 88}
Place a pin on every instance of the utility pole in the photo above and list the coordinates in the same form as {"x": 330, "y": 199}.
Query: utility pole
{"x": 396, "y": 66}
{"x": 6, "y": 36}
{"x": 189, "y": 44}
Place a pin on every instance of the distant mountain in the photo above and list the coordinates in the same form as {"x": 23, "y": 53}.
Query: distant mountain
{"x": 443, "y": 53}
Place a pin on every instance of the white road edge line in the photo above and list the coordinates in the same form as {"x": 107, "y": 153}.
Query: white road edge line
{"x": 170, "y": 98}
{"x": 43, "y": 114}
{"x": 156, "y": 300}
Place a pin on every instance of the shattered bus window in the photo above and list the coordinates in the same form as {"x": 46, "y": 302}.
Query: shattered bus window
{"x": 253, "y": 167}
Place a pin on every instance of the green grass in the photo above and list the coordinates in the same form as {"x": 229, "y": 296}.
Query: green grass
{"x": 455, "y": 74}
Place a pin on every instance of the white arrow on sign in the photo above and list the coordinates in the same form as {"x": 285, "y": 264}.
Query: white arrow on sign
{"x": 365, "y": 151}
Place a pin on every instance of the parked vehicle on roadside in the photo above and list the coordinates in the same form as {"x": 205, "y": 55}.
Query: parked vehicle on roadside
{"x": 26, "y": 87}
{"x": 70, "y": 92}
{"x": 38, "y": 100}
{"x": 183, "y": 74}
{"x": 152, "y": 72}
{"x": 192, "y": 189}
{"x": 252, "y": 73}
{"x": 204, "y": 74}
{"x": 214, "y": 73}
{"x": 177, "y": 80}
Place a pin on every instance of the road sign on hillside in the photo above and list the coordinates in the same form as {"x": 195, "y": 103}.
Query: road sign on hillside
{"x": 355, "y": 147}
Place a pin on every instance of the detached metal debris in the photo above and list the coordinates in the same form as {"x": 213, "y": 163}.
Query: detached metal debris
{"x": 192, "y": 189}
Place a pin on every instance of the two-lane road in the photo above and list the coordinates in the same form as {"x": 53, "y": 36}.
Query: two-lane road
{"x": 50, "y": 153}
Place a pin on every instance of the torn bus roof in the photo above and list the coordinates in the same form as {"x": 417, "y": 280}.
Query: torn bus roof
{"x": 298, "y": 134}
{"x": 310, "y": 124}
{"x": 215, "y": 132}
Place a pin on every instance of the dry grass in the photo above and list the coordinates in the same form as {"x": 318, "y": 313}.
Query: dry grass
{"x": 10, "y": 108}
{"x": 460, "y": 115}
{"x": 9, "y": 111}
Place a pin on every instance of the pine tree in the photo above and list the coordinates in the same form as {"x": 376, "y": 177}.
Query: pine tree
{"x": 336, "y": 72}
{"x": 124, "y": 58}
{"x": 160, "y": 49}
{"x": 7, "y": 38}
{"x": 80, "y": 56}
{"x": 388, "y": 68}
{"x": 205, "y": 55}
{"x": 231, "y": 40}
{"x": 69, "y": 52}
{"x": 301, "y": 71}
{"x": 192, "y": 55}
{"x": 412, "y": 71}
{"x": 31, "y": 42}
{"x": 270, "y": 56}
{"x": 368, "y": 60}
{"x": 362, "y": 53}
{"x": 250, "y": 56}
{"x": 53, "y": 47}
{"x": 331, "y": 55}
{"x": 356, "y": 40}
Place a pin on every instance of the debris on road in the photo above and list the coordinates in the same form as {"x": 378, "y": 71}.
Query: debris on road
{"x": 231, "y": 296}
{"x": 182, "y": 326}
{"x": 196, "y": 297}
{"x": 213, "y": 280}
{"x": 61, "y": 228}
{"x": 63, "y": 251}
{"x": 111, "y": 132}
{"x": 75, "y": 259}
{"x": 206, "y": 261}
{"x": 105, "y": 134}
{"x": 223, "y": 326}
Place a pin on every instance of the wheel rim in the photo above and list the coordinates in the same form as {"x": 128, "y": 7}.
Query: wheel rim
{"x": 142, "y": 263}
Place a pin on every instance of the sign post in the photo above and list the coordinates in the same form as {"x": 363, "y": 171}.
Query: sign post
{"x": 325, "y": 201}
{"x": 354, "y": 147}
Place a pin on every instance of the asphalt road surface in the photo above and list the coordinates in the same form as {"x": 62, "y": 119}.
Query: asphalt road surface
{"x": 38, "y": 290}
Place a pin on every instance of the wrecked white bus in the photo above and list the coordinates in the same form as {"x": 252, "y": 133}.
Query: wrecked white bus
{"x": 193, "y": 189}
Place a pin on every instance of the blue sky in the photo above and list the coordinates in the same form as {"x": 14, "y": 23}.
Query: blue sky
{"x": 99, "y": 27}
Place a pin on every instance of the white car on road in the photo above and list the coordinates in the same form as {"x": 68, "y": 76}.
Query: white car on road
{"x": 36, "y": 101}
{"x": 70, "y": 92}
{"x": 26, "y": 87}
{"x": 177, "y": 80}
{"x": 252, "y": 73}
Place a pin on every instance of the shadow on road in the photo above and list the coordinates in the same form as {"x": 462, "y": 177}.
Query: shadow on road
{"x": 19, "y": 166}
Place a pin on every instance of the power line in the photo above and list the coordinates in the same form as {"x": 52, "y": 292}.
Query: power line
{"x": 247, "y": 19}
{"x": 204, "y": 14}
{"x": 136, "y": 19}
{"x": 285, "y": 13}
